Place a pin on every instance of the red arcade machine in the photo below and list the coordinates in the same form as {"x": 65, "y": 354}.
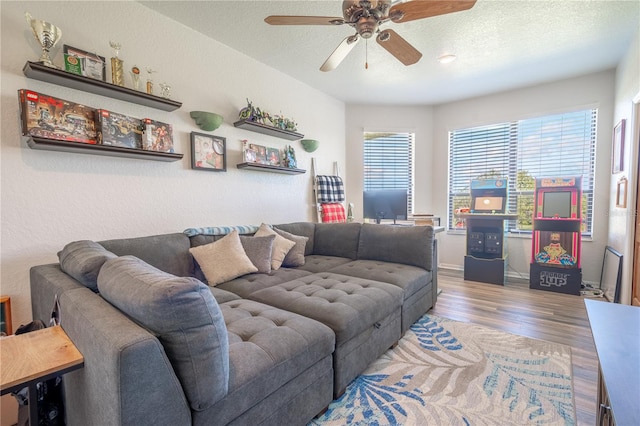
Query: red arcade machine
{"x": 556, "y": 242}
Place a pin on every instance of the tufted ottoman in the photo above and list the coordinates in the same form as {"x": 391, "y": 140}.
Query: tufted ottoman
{"x": 268, "y": 348}
{"x": 363, "y": 314}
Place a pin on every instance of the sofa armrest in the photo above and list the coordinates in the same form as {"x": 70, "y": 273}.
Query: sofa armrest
{"x": 127, "y": 378}
{"x": 46, "y": 282}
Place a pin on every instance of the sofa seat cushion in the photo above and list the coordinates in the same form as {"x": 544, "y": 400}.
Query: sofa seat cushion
{"x": 320, "y": 263}
{"x": 247, "y": 284}
{"x": 409, "y": 278}
{"x": 268, "y": 347}
{"x": 348, "y": 305}
{"x": 222, "y": 296}
{"x": 185, "y": 316}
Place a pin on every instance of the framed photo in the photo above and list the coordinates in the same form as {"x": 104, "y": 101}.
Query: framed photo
{"x": 208, "y": 152}
{"x": 621, "y": 193}
{"x": 617, "y": 153}
{"x": 249, "y": 155}
{"x": 261, "y": 153}
{"x": 90, "y": 64}
{"x": 273, "y": 156}
{"x": 5, "y": 315}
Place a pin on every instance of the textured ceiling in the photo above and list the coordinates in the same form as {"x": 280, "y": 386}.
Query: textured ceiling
{"x": 500, "y": 45}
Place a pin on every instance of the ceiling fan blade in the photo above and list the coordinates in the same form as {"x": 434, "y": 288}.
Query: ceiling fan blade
{"x": 340, "y": 53}
{"x": 419, "y": 9}
{"x": 398, "y": 47}
{"x": 303, "y": 20}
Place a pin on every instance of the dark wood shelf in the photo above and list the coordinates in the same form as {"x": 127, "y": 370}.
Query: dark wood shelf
{"x": 268, "y": 130}
{"x": 268, "y": 168}
{"x": 41, "y": 72}
{"x": 108, "y": 150}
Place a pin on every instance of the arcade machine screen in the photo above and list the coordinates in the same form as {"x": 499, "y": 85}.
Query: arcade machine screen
{"x": 556, "y": 204}
{"x": 488, "y": 204}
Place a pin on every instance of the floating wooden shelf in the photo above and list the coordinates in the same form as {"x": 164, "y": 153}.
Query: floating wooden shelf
{"x": 41, "y": 72}
{"x": 268, "y": 168}
{"x": 268, "y": 130}
{"x": 113, "y": 151}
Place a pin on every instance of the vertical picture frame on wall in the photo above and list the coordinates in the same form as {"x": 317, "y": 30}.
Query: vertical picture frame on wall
{"x": 208, "y": 152}
{"x": 617, "y": 150}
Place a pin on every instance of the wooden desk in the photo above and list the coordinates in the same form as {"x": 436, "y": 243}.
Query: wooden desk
{"x": 34, "y": 357}
{"x": 615, "y": 333}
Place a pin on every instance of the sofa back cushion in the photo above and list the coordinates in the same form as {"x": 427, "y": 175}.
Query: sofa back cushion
{"x": 83, "y": 260}
{"x": 167, "y": 252}
{"x": 185, "y": 316}
{"x": 337, "y": 239}
{"x": 304, "y": 229}
{"x": 409, "y": 245}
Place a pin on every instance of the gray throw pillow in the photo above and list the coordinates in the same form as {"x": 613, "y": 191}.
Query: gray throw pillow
{"x": 185, "y": 316}
{"x": 295, "y": 257}
{"x": 258, "y": 250}
{"x": 83, "y": 260}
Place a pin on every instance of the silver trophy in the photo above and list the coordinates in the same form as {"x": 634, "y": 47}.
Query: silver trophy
{"x": 47, "y": 35}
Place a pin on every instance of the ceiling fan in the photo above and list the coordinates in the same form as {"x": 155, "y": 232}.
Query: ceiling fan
{"x": 366, "y": 16}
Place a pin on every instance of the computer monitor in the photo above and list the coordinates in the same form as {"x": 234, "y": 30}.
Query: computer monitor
{"x": 556, "y": 204}
{"x": 381, "y": 204}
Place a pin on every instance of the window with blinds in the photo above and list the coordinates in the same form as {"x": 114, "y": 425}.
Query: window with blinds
{"x": 548, "y": 146}
{"x": 388, "y": 162}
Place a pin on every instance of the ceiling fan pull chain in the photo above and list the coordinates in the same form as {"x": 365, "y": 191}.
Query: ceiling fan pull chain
{"x": 366, "y": 54}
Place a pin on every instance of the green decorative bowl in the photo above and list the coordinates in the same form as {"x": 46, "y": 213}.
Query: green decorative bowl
{"x": 208, "y": 121}
{"x": 309, "y": 145}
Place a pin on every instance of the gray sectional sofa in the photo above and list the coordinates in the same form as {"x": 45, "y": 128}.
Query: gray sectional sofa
{"x": 163, "y": 348}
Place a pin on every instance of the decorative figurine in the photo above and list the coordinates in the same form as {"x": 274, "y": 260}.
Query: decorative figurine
{"x": 47, "y": 35}
{"x": 135, "y": 76}
{"x": 165, "y": 90}
{"x": 149, "y": 81}
{"x": 117, "y": 68}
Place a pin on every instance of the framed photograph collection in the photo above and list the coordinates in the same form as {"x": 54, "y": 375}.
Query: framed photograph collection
{"x": 253, "y": 153}
{"x": 84, "y": 63}
{"x": 208, "y": 152}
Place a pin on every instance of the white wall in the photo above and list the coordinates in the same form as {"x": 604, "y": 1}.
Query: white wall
{"x": 622, "y": 220}
{"x": 410, "y": 119}
{"x": 432, "y": 125}
{"x": 594, "y": 90}
{"x": 50, "y": 198}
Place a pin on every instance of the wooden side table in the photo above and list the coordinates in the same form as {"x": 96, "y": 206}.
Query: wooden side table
{"x": 33, "y": 357}
{"x": 5, "y": 315}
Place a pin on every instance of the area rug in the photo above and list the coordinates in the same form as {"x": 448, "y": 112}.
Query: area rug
{"x": 445, "y": 372}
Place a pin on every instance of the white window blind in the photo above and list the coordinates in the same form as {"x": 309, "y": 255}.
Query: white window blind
{"x": 388, "y": 162}
{"x": 548, "y": 146}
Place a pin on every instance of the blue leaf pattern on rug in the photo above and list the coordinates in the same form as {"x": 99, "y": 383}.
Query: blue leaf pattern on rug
{"x": 430, "y": 330}
{"x": 448, "y": 372}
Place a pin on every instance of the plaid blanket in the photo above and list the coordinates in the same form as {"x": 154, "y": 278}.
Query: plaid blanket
{"x": 330, "y": 189}
{"x": 221, "y": 230}
{"x": 332, "y": 213}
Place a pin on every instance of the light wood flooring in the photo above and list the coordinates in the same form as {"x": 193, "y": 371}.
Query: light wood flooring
{"x": 516, "y": 309}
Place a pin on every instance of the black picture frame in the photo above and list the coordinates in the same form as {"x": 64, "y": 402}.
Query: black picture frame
{"x": 208, "y": 152}
{"x": 611, "y": 275}
{"x": 93, "y": 65}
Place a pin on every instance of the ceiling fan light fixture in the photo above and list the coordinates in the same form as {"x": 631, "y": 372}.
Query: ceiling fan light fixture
{"x": 447, "y": 59}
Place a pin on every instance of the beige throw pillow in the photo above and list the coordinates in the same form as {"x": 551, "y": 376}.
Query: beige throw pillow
{"x": 281, "y": 245}
{"x": 223, "y": 260}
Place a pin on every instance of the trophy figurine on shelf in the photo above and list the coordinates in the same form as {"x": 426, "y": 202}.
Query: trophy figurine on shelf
{"x": 149, "y": 81}
{"x": 135, "y": 76}
{"x": 117, "y": 67}
{"x": 47, "y": 35}
{"x": 165, "y": 90}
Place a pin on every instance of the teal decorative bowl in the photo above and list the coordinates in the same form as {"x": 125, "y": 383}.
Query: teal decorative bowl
{"x": 309, "y": 145}
{"x": 208, "y": 121}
